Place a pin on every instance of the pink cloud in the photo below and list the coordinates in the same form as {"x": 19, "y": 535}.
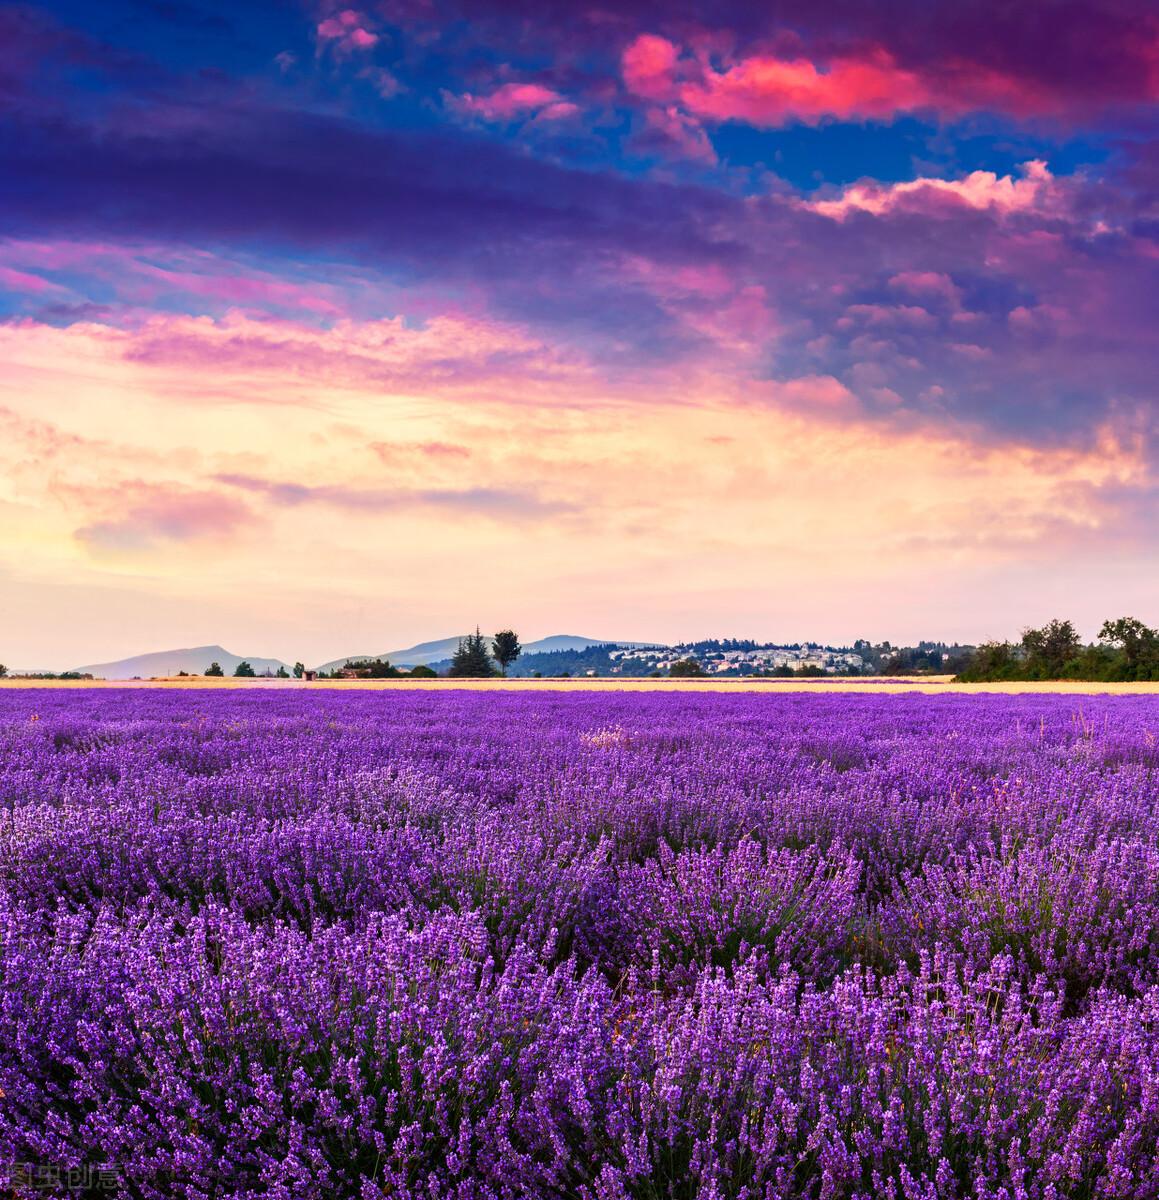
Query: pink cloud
{"x": 142, "y": 517}
{"x": 770, "y": 91}
{"x": 706, "y": 279}
{"x": 670, "y": 129}
{"x": 649, "y": 66}
{"x": 445, "y": 450}
{"x": 1035, "y": 191}
{"x": 449, "y": 353}
{"x": 513, "y": 100}
{"x": 347, "y": 31}
{"x": 927, "y": 283}
{"x": 243, "y": 290}
{"x": 903, "y": 315}
{"x": 384, "y": 82}
{"x": 821, "y": 394}
{"x": 767, "y": 90}
{"x": 971, "y": 351}
{"x": 394, "y": 453}
{"x": 141, "y": 274}
{"x": 22, "y": 281}
{"x": 735, "y": 315}
{"x": 560, "y": 110}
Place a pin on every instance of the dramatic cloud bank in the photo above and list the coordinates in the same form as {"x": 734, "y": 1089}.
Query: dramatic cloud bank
{"x": 387, "y": 299}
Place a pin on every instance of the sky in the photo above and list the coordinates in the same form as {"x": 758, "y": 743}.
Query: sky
{"x": 329, "y": 329}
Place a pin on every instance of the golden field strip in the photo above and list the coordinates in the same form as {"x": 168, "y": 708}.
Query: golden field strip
{"x": 877, "y": 685}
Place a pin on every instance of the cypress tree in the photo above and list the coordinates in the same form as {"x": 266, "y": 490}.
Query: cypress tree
{"x": 471, "y": 660}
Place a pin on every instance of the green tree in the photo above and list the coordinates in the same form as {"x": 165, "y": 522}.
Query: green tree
{"x": 373, "y": 668}
{"x": 471, "y": 660}
{"x": 422, "y": 672}
{"x": 1138, "y": 645}
{"x": 505, "y": 648}
{"x": 686, "y": 668}
{"x": 281, "y": 673}
{"x": 1050, "y": 649}
{"x": 299, "y": 670}
{"x": 991, "y": 661}
{"x": 214, "y": 669}
{"x": 3, "y": 671}
{"x": 243, "y": 670}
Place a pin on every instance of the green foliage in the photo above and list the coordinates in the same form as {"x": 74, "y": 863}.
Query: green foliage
{"x": 505, "y": 648}
{"x": 3, "y": 671}
{"x": 299, "y": 670}
{"x": 1128, "y": 651}
{"x": 371, "y": 668}
{"x": 686, "y": 668}
{"x": 551, "y": 663}
{"x": 1137, "y": 645}
{"x": 926, "y": 658}
{"x": 214, "y": 669}
{"x": 471, "y": 660}
{"x": 243, "y": 671}
{"x": 992, "y": 661}
{"x": 422, "y": 672}
{"x": 281, "y": 673}
{"x": 1049, "y": 650}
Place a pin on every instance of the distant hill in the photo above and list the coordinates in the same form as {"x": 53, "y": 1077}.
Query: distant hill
{"x": 428, "y": 653}
{"x": 422, "y": 654}
{"x": 193, "y": 660}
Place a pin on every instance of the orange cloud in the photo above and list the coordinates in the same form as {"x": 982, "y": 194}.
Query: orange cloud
{"x": 1034, "y": 191}
{"x": 214, "y": 507}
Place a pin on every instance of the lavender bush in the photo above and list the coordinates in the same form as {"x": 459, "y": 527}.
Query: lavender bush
{"x": 601, "y": 946}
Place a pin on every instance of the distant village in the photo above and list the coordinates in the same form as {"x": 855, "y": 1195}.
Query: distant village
{"x": 737, "y": 662}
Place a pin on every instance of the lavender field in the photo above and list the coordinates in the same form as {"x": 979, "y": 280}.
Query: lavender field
{"x": 588, "y": 945}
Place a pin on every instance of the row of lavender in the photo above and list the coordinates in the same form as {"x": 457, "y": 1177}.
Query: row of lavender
{"x": 584, "y": 945}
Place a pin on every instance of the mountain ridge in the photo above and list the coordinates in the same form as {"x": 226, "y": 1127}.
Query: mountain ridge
{"x": 441, "y": 649}
{"x": 193, "y": 660}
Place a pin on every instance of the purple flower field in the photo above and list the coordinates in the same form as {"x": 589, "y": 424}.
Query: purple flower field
{"x": 591, "y": 945}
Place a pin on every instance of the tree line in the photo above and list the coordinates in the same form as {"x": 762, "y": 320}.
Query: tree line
{"x": 244, "y": 670}
{"x": 475, "y": 659}
{"x": 1126, "y": 651}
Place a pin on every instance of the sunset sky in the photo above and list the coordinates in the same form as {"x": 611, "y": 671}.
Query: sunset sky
{"x": 329, "y": 329}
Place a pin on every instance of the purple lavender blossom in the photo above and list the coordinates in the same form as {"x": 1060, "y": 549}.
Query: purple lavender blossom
{"x": 601, "y": 946}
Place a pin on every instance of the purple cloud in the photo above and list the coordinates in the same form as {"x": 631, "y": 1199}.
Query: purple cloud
{"x": 498, "y": 504}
